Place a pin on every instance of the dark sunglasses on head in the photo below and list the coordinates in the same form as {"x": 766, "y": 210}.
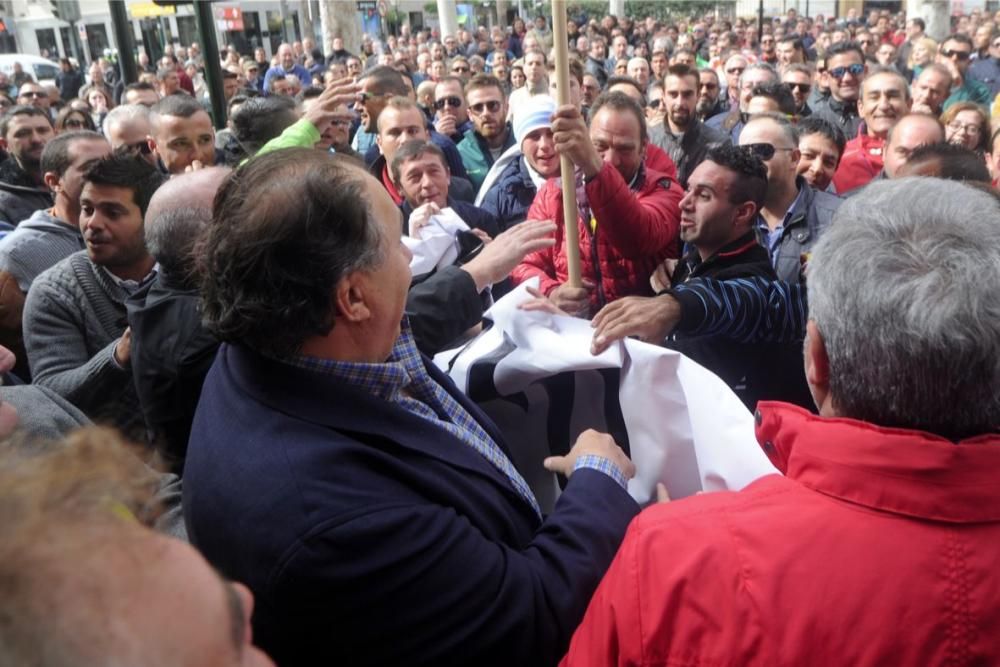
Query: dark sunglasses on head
{"x": 452, "y": 101}
{"x": 857, "y": 69}
{"x": 961, "y": 55}
{"x": 141, "y": 147}
{"x": 492, "y": 105}
{"x": 801, "y": 87}
{"x": 764, "y": 151}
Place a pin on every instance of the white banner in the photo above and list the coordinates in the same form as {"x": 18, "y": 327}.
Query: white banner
{"x": 534, "y": 375}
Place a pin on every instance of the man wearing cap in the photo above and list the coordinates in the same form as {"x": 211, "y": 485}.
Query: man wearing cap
{"x": 515, "y": 178}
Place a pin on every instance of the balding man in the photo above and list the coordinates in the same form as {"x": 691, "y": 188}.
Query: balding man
{"x": 907, "y": 135}
{"x": 171, "y": 350}
{"x": 931, "y": 89}
{"x": 287, "y": 67}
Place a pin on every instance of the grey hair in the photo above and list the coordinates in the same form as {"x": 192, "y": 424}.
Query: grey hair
{"x": 758, "y": 66}
{"x": 905, "y": 290}
{"x": 171, "y": 236}
{"x": 124, "y": 113}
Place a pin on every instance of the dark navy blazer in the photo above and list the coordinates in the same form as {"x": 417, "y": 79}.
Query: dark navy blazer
{"x": 369, "y": 536}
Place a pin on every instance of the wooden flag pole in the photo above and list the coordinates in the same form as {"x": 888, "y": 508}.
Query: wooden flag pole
{"x": 570, "y": 213}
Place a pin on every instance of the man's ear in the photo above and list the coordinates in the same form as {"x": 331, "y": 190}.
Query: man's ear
{"x": 3, "y": 144}
{"x": 51, "y": 180}
{"x": 745, "y": 213}
{"x": 817, "y": 365}
{"x": 350, "y": 298}
{"x": 152, "y": 144}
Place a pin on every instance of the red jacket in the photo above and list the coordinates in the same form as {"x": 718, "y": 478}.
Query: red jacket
{"x": 635, "y": 232}
{"x": 861, "y": 162}
{"x": 880, "y": 547}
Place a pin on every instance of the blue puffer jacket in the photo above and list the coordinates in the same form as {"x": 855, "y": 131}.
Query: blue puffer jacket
{"x": 510, "y": 197}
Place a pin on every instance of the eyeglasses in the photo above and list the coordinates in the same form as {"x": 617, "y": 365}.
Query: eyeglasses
{"x": 763, "y": 151}
{"x": 801, "y": 87}
{"x": 961, "y": 55}
{"x": 970, "y": 129}
{"x": 452, "y": 101}
{"x": 855, "y": 70}
{"x": 655, "y": 104}
{"x": 480, "y": 107}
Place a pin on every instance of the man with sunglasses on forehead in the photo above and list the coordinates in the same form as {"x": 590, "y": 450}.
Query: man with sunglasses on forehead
{"x": 954, "y": 54}
{"x": 127, "y": 128}
{"x": 452, "y": 117}
{"x": 491, "y": 135}
{"x": 845, "y": 67}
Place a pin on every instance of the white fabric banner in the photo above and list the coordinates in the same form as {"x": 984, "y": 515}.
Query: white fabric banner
{"x": 534, "y": 375}
{"x": 437, "y": 246}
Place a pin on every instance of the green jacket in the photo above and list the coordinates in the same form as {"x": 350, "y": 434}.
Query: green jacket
{"x": 970, "y": 91}
{"x": 301, "y": 134}
{"x": 476, "y": 156}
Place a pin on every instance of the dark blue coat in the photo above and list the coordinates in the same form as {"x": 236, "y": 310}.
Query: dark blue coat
{"x": 474, "y": 217}
{"x": 510, "y": 196}
{"x": 369, "y": 536}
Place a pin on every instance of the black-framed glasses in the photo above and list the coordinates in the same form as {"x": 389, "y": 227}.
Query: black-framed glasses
{"x": 804, "y": 88}
{"x": 762, "y": 150}
{"x": 855, "y": 70}
{"x": 453, "y": 101}
{"x": 655, "y": 104}
{"x": 961, "y": 55}
{"x": 492, "y": 106}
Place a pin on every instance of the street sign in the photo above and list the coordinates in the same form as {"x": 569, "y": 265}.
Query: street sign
{"x": 145, "y": 10}
{"x": 229, "y": 19}
{"x": 367, "y": 5}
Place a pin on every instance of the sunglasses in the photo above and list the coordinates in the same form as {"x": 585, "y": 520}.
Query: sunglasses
{"x": 801, "y": 87}
{"x": 140, "y": 147}
{"x": 451, "y": 101}
{"x": 460, "y": 69}
{"x": 764, "y": 151}
{"x": 961, "y": 55}
{"x": 735, "y": 70}
{"x": 74, "y": 122}
{"x": 492, "y": 105}
{"x": 33, "y": 94}
{"x": 654, "y": 104}
{"x": 856, "y": 70}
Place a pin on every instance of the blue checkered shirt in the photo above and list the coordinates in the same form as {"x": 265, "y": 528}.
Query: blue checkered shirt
{"x": 403, "y": 379}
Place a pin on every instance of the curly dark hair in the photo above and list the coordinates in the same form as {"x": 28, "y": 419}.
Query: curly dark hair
{"x": 285, "y": 230}
{"x": 752, "y": 182}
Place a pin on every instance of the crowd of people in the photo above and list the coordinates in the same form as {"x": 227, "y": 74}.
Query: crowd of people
{"x": 807, "y": 210}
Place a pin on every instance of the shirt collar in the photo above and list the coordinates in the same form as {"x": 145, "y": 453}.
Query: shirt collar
{"x": 131, "y": 286}
{"x": 896, "y": 470}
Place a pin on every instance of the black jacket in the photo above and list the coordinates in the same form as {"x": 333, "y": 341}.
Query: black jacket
{"x": 171, "y": 354}
{"x": 19, "y": 195}
{"x": 756, "y": 371}
{"x": 844, "y": 116}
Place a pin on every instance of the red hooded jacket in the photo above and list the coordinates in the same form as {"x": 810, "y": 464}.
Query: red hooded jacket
{"x": 636, "y": 231}
{"x": 879, "y": 547}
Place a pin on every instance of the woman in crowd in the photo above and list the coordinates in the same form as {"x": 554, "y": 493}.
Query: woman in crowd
{"x": 966, "y": 124}
{"x": 70, "y": 119}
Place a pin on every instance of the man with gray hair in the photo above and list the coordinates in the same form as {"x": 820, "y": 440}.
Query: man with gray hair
{"x": 127, "y": 127}
{"x": 732, "y": 121}
{"x": 892, "y": 488}
{"x": 171, "y": 350}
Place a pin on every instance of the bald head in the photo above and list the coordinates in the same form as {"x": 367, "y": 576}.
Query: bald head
{"x": 177, "y": 213}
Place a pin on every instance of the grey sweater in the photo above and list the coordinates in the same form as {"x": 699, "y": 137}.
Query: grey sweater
{"x": 73, "y": 317}
{"x": 38, "y": 243}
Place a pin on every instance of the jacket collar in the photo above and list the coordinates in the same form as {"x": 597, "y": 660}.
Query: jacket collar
{"x": 731, "y": 254}
{"x": 12, "y": 174}
{"x": 842, "y": 109}
{"x": 907, "y": 472}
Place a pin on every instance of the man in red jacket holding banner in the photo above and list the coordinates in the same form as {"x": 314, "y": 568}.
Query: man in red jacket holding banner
{"x": 629, "y": 214}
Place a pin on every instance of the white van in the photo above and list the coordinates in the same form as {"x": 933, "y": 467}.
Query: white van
{"x": 43, "y": 69}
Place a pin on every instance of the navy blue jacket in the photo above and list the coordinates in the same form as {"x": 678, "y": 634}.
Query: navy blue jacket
{"x": 510, "y": 196}
{"x": 369, "y": 536}
{"x": 474, "y": 217}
